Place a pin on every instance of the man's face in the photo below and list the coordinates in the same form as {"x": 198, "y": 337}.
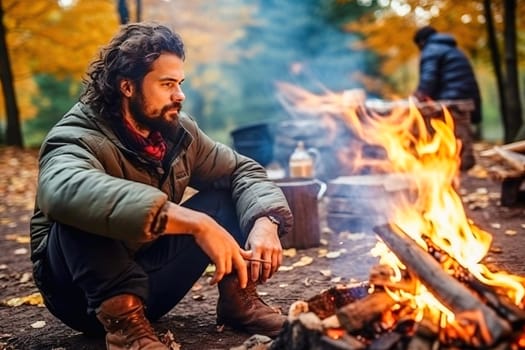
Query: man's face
{"x": 157, "y": 103}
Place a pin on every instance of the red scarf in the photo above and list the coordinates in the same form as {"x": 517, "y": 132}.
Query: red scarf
{"x": 153, "y": 145}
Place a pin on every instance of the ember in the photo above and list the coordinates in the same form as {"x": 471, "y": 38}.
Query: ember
{"x": 430, "y": 289}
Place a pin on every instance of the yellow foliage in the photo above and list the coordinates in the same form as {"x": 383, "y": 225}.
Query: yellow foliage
{"x": 389, "y": 34}
{"x": 45, "y": 38}
{"x": 208, "y": 29}
{"x": 42, "y": 37}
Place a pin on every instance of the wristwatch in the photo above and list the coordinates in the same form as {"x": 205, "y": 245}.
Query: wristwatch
{"x": 274, "y": 220}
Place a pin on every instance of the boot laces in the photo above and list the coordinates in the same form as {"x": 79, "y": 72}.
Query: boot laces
{"x": 135, "y": 327}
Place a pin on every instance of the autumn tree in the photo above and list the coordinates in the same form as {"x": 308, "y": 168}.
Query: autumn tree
{"x": 13, "y": 131}
{"x": 45, "y": 38}
{"x": 481, "y": 28}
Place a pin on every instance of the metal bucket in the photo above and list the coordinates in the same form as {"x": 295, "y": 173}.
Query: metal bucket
{"x": 254, "y": 141}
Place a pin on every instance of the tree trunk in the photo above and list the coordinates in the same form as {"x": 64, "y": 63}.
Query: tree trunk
{"x": 13, "y": 130}
{"x": 139, "y": 10}
{"x": 496, "y": 61}
{"x": 512, "y": 93}
{"x": 123, "y": 12}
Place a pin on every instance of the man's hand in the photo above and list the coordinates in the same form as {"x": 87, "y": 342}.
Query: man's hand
{"x": 224, "y": 252}
{"x": 266, "y": 250}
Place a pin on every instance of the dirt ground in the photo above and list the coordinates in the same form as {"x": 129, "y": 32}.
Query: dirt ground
{"x": 342, "y": 257}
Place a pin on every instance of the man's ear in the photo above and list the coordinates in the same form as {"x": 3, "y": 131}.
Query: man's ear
{"x": 126, "y": 87}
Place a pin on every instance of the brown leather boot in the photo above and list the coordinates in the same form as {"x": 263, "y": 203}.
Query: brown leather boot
{"x": 243, "y": 309}
{"x": 126, "y": 325}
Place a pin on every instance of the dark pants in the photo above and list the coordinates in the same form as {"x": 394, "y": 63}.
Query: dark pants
{"x": 82, "y": 269}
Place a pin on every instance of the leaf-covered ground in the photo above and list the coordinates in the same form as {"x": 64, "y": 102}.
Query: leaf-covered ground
{"x": 341, "y": 258}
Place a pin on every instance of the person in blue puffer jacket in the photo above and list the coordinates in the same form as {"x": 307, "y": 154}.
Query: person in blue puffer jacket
{"x": 445, "y": 73}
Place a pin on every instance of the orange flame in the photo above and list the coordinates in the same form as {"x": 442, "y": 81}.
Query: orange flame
{"x": 422, "y": 148}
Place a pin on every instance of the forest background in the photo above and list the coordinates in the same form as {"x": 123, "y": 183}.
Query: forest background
{"x": 239, "y": 50}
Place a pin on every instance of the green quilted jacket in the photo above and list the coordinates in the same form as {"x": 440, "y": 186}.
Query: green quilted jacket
{"x": 89, "y": 180}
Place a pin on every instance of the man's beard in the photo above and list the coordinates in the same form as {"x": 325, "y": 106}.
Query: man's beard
{"x": 159, "y": 122}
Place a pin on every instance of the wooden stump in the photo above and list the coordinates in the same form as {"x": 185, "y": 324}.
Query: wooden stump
{"x": 302, "y": 196}
{"x": 511, "y": 190}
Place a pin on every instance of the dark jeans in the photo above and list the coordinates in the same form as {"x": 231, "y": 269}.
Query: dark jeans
{"x": 82, "y": 269}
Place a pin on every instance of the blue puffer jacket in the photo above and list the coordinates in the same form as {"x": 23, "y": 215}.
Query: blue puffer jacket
{"x": 446, "y": 73}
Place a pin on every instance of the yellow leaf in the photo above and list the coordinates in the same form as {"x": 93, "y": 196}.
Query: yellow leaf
{"x": 305, "y": 260}
{"x": 31, "y": 299}
{"x": 292, "y": 252}
{"x": 210, "y": 269}
{"x": 284, "y": 268}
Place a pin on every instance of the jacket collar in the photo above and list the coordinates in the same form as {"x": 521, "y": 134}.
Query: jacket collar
{"x": 178, "y": 139}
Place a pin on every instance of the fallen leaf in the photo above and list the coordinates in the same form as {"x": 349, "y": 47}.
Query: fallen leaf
{"x": 511, "y": 232}
{"x": 494, "y": 195}
{"x": 196, "y": 287}
{"x": 496, "y": 250}
{"x": 336, "y": 279}
{"x": 323, "y": 241}
{"x": 38, "y": 324}
{"x": 495, "y": 225}
{"x": 26, "y": 277}
{"x": 198, "y": 297}
{"x": 20, "y": 251}
{"x": 23, "y": 239}
{"x": 482, "y": 190}
{"x": 334, "y": 254}
{"x": 305, "y": 260}
{"x": 307, "y": 282}
{"x": 326, "y": 273}
{"x": 31, "y": 299}
{"x": 322, "y": 252}
{"x": 292, "y": 252}
{"x": 284, "y": 268}
{"x": 210, "y": 269}
{"x": 283, "y": 285}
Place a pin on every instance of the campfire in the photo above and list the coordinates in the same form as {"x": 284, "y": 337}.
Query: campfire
{"x": 430, "y": 289}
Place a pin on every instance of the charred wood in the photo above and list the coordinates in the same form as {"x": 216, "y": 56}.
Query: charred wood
{"x": 489, "y": 294}
{"x": 327, "y": 302}
{"x": 485, "y": 325}
{"x": 381, "y": 275}
{"x": 364, "y": 312}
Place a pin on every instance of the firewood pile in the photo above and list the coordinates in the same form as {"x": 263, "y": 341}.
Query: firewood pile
{"x": 508, "y": 167}
{"x": 372, "y": 315}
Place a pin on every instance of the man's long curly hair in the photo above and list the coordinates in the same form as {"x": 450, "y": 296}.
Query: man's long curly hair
{"x": 129, "y": 55}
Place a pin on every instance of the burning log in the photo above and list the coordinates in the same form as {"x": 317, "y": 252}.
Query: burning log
{"x": 498, "y": 302}
{"x": 483, "y": 324}
{"x": 381, "y": 275}
{"x": 355, "y": 316}
{"x": 326, "y": 303}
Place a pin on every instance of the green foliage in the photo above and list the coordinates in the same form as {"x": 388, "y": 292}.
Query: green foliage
{"x": 55, "y": 98}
